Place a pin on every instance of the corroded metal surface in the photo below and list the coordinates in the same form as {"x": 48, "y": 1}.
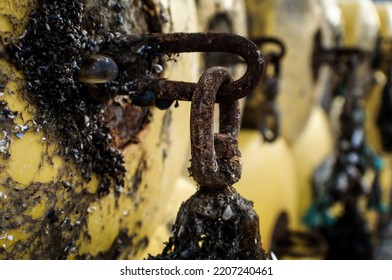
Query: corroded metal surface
{"x": 215, "y": 159}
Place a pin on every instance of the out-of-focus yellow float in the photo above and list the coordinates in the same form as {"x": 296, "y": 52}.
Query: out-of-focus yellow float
{"x": 276, "y": 176}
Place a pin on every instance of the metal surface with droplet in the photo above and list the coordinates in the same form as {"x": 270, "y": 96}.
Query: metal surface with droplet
{"x": 98, "y": 69}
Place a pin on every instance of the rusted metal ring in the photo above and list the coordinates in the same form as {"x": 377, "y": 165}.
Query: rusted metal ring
{"x": 215, "y": 161}
{"x": 173, "y": 43}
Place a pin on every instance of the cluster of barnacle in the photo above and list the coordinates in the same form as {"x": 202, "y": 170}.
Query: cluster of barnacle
{"x": 218, "y": 224}
{"x": 72, "y": 57}
{"x": 10, "y": 128}
{"x": 50, "y": 53}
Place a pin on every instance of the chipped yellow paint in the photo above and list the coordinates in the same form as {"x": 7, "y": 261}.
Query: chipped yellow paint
{"x": 10, "y": 237}
{"x": 48, "y": 170}
{"x": 38, "y": 210}
{"x": 13, "y": 99}
{"x": 92, "y": 186}
{"x": 25, "y": 158}
{"x": 102, "y": 234}
{"x": 26, "y": 163}
{"x": 107, "y": 216}
{"x": 14, "y": 11}
{"x": 5, "y": 25}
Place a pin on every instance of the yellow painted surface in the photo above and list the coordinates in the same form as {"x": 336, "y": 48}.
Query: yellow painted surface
{"x": 14, "y": 11}
{"x": 386, "y": 179}
{"x": 269, "y": 180}
{"x": 332, "y": 19}
{"x": 103, "y": 226}
{"x": 361, "y": 23}
{"x": 26, "y": 158}
{"x": 372, "y": 105}
{"x": 10, "y": 237}
{"x": 183, "y": 189}
{"x": 384, "y": 10}
{"x": 37, "y": 210}
{"x": 309, "y": 150}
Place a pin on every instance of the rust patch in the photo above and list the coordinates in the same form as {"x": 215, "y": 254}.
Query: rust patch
{"x": 125, "y": 121}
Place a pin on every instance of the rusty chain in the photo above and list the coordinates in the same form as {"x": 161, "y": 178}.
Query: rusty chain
{"x": 215, "y": 159}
